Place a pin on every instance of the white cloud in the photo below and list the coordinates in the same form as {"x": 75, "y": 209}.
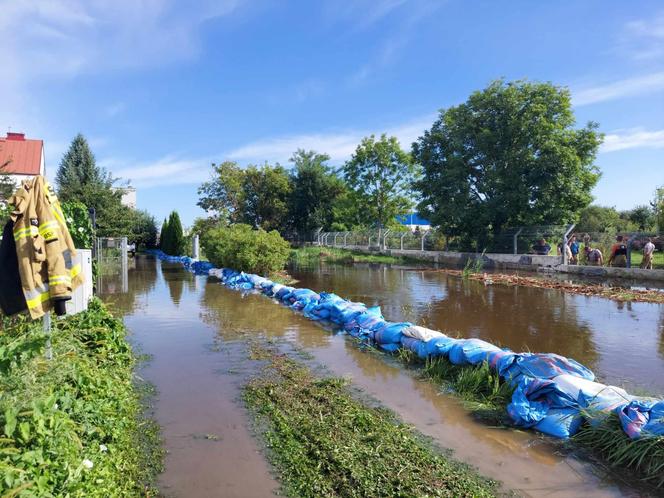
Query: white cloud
{"x": 46, "y": 39}
{"x": 628, "y": 87}
{"x": 175, "y": 170}
{"x": 633, "y": 138}
{"x": 169, "y": 170}
{"x": 114, "y": 109}
{"x": 643, "y": 39}
{"x": 338, "y": 144}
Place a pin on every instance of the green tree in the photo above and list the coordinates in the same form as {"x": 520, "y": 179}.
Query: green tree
{"x": 223, "y": 195}
{"x": 7, "y": 184}
{"x": 315, "y": 191}
{"x": 144, "y": 229}
{"x": 267, "y": 191}
{"x": 380, "y": 174}
{"x": 164, "y": 236}
{"x": 642, "y": 217}
{"x": 78, "y": 177}
{"x": 597, "y": 219}
{"x": 172, "y": 236}
{"x": 509, "y": 155}
{"x": 658, "y": 208}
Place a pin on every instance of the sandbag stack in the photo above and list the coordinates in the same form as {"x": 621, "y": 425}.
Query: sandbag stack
{"x": 552, "y": 394}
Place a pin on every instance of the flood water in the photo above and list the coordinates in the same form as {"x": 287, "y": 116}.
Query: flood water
{"x": 196, "y": 333}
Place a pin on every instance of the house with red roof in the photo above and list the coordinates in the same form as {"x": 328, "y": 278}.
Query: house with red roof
{"x": 20, "y": 157}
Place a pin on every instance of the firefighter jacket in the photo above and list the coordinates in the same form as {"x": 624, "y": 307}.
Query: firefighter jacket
{"x": 44, "y": 248}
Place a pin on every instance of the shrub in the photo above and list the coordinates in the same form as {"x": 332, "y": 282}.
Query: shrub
{"x": 242, "y": 248}
{"x": 78, "y": 223}
{"x": 172, "y": 237}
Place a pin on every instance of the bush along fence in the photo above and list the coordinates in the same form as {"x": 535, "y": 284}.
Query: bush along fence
{"x": 552, "y": 394}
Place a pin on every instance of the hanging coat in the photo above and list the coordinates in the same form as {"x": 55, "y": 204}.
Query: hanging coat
{"x": 12, "y": 300}
{"x": 44, "y": 248}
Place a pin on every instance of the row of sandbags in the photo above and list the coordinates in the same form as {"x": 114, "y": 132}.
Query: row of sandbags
{"x": 552, "y": 393}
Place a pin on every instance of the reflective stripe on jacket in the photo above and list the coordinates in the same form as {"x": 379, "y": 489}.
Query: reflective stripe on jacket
{"x": 44, "y": 247}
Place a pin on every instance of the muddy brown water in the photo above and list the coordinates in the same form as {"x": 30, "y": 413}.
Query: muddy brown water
{"x": 196, "y": 333}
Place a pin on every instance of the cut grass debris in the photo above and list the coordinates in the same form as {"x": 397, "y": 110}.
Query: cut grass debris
{"x": 614, "y": 293}
{"x": 324, "y": 442}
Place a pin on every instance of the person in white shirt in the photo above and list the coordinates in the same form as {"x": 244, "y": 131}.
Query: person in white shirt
{"x": 648, "y": 252}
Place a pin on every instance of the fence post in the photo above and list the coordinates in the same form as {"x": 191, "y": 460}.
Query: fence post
{"x": 569, "y": 230}
{"x": 369, "y": 243}
{"x": 401, "y": 240}
{"x": 385, "y": 239}
{"x": 195, "y": 250}
{"x": 516, "y": 235}
{"x": 629, "y": 250}
{"x": 345, "y": 237}
{"x": 424, "y": 236}
{"x": 318, "y": 232}
{"x": 334, "y": 244}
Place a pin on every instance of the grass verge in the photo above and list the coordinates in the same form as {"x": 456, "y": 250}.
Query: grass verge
{"x": 311, "y": 254}
{"x": 73, "y": 425}
{"x": 607, "y": 440}
{"x": 325, "y": 442}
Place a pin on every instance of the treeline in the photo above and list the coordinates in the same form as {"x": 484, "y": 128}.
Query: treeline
{"x": 511, "y": 155}
{"x": 373, "y": 187}
{"x": 83, "y": 185}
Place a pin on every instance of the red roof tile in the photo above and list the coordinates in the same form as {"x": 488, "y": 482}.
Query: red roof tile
{"x": 23, "y": 156}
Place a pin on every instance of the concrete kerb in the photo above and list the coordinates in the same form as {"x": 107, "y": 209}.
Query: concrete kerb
{"x": 530, "y": 262}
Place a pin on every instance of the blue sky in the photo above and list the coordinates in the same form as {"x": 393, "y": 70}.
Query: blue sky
{"x": 163, "y": 88}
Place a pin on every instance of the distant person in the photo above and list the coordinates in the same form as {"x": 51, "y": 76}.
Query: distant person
{"x": 574, "y": 249}
{"x": 618, "y": 257}
{"x": 541, "y": 247}
{"x": 648, "y": 253}
{"x": 594, "y": 256}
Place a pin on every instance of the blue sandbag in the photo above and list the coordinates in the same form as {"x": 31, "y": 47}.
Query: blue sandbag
{"x": 470, "y": 351}
{"x": 390, "y": 332}
{"x": 560, "y": 422}
{"x": 416, "y": 346}
{"x": 283, "y": 292}
{"x": 390, "y": 348}
{"x": 534, "y": 400}
{"x": 541, "y": 366}
{"x": 370, "y": 321}
{"x": 643, "y": 417}
{"x": 440, "y": 346}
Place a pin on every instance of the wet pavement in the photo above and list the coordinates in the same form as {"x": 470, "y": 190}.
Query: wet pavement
{"x": 196, "y": 332}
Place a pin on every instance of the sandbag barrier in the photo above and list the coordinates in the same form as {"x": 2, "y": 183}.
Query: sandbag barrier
{"x": 552, "y": 394}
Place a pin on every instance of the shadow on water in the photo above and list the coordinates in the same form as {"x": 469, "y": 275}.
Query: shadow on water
{"x": 196, "y": 331}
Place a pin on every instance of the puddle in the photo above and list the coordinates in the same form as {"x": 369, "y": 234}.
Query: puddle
{"x": 196, "y": 332}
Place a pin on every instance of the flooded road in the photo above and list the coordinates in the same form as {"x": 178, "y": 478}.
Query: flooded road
{"x": 196, "y": 332}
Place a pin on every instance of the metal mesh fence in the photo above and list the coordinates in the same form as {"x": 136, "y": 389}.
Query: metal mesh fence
{"x": 542, "y": 240}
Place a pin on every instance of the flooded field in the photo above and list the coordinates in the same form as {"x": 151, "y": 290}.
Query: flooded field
{"x": 196, "y": 332}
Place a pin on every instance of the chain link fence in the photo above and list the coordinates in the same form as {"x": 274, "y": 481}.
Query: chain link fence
{"x": 540, "y": 239}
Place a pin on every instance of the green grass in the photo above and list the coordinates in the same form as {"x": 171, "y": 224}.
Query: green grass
{"x": 657, "y": 261}
{"x": 73, "y": 425}
{"x": 313, "y": 254}
{"x": 644, "y": 456}
{"x": 325, "y": 442}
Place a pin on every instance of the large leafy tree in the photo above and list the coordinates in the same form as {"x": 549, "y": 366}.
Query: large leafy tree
{"x": 257, "y": 196}
{"x": 265, "y": 201}
{"x": 222, "y": 196}
{"x": 172, "y": 236}
{"x": 316, "y": 190}
{"x": 658, "y": 208}
{"x": 380, "y": 174}
{"x": 595, "y": 219}
{"x": 509, "y": 155}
